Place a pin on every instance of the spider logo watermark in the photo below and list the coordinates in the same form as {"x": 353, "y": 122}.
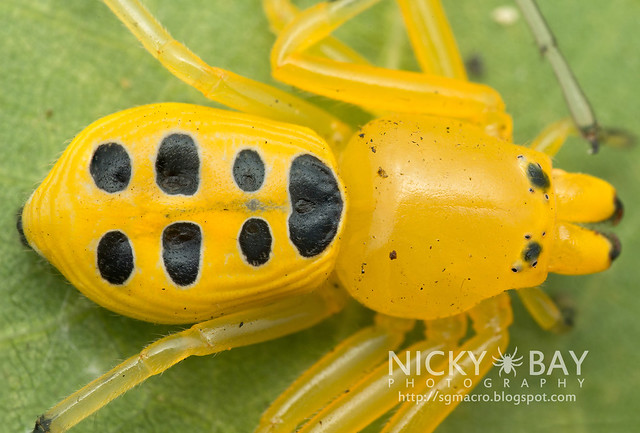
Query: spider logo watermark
{"x": 507, "y": 362}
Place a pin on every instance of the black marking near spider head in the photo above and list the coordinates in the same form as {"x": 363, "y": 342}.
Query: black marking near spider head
{"x": 537, "y": 176}
{"x": 181, "y": 252}
{"x": 115, "y": 257}
{"x": 531, "y": 253}
{"x": 178, "y": 165}
{"x": 316, "y": 204}
{"x": 111, "y": 167}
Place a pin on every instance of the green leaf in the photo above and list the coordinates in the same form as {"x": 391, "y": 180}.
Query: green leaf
{"x": 67, "y": 63}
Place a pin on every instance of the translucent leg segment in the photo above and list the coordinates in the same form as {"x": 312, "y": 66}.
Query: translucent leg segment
{"x": 282, "y": 12}
{"x": 432, "y": 39}
{"x": 543, "y": 310}
{"x": 220, "y": 85}
{"x": 552, "y": 138}
{"x": 333, "y": 374}
{"x": 224, "y": 333}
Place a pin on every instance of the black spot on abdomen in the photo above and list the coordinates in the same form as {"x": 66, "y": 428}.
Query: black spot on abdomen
{"x": 248, "y": 170}
{"x": 255, "y": 241}
{"x": 181, "y": 246}
{"x": 178, "y": 165}
{"x": 316, "y": 205}
{"x": 115, "y": 257}
{"x": 111, "y": 167}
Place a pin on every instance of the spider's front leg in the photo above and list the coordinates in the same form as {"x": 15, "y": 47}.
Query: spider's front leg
{"x": 225, "y": 87}
{"x": 375, "y": 88}
{"x": 281, "y": 12}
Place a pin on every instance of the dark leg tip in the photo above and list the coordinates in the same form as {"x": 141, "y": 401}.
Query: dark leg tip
{"x": 616, "y": 246}
{"x": 618, "y": 211}
{"x": 567, "y": 318}
{"x": 43, "y": 425}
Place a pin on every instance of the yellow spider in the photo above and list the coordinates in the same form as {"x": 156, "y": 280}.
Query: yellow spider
{"x": 257, "y": 224}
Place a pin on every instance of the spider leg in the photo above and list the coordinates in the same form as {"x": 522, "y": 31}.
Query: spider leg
{"x": 491, "y": 318}
{"x": 216, "y": 335}
{"x": 223, "y": 86}
{"x": 432, "y": 39}
{"x": 543, "y": 309}
{"x": 334, "y": 373}
{"x": 372, "y": 87}
{"x": 553, "y": 137}
{"x": 377, "y": 392}
{"x": 281, "y": 12}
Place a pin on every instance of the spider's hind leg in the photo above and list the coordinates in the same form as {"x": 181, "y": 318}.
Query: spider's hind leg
{"x": 234, "y": 330}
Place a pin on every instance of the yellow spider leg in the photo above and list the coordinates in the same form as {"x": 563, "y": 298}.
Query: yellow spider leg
{"x": 373, "y": 87}
{"x": 217, "y": 84}
{"x": 577, "y": 250}
{"x": 334, "y": 373}
{"x": 551, "y": 139}
{"x": 375, "y": 394}
{"x": 579, "y": 106}
{"x": 282, "y": 12}
{"x": 216, "y": 335}
{"x": 433, "y": 42}
{"x": 491, "y": 319}
{"x": 542, "y": 308}
{"x": 583, "y": 198}
{"x": 279, "y": 13}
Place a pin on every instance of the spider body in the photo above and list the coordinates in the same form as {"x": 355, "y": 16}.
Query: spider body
{"x": 257, "y": 224}
{"x": 443, "y": 214}
{"x": 220, "y": 184}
